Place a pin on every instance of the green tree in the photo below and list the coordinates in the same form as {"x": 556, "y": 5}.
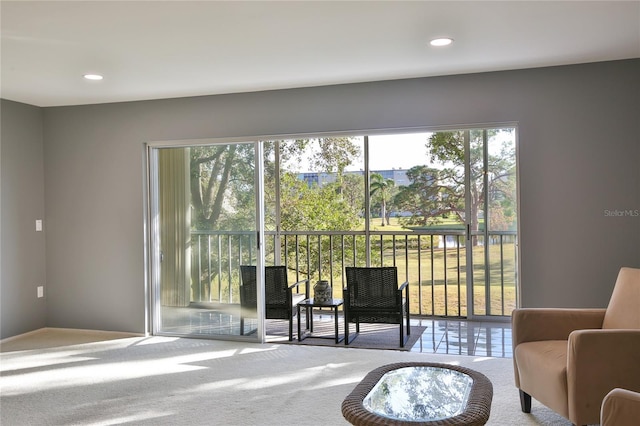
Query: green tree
{"x": 333, "y": 206}
{"x": 424, "y": 197}
{"x": 447, "y": 149}
{"x": 221, "y": 184}
{"x": 353, "y": 192}
{"x": 305, "y": 208}
{"x": 382, "y": 187}
{"x": 334, "y": 155}
{"x": 315, "y": 208}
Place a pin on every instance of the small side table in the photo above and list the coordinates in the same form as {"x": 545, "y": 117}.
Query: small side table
{"x": 309, "y": 304}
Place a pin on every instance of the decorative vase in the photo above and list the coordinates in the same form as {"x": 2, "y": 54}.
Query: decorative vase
{"x": 322, "y": 292}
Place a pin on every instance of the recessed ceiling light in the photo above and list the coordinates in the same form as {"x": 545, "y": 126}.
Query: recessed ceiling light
{"x": 93, "y": 76}
{"x": 442, "y": 41}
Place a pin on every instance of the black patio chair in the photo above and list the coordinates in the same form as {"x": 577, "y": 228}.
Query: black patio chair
{"x": 372, "y": 295}
{"x": 280, "y": 300}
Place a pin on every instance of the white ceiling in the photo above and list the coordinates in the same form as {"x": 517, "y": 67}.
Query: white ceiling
{"x": 164, "y": 49}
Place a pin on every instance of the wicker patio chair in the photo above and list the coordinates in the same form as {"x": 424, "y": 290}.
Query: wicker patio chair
{"x": 372, "y": 295}
{"x": 280, "y": 299}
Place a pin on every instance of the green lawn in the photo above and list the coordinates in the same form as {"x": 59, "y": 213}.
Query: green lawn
{"x": 443, "y": 279}
{"x": 394, "y": 224}
{"x": 450, "y": 295}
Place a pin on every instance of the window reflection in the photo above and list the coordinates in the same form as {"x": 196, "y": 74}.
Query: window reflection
{"x": 419, "y": 394}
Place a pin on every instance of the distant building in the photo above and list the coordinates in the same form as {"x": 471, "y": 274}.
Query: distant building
{"x": 399, "y": 176}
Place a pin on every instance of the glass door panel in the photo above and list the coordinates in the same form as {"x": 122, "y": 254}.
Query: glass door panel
{"x": 476, "y": 220}
{"x": 492, "y": 220}
{"x": 204, "y": 227}
{"x": 417, "y": 198}
{"x": 447, "y": 153}
{"x": 502, "y": 216}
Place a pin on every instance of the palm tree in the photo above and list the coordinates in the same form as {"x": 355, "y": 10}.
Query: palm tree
{"x": 383, "y": 186}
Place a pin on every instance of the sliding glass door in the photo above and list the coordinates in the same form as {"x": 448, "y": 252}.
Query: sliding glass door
{"x": 441, "y": 206}
{"x": 205, "y": 221}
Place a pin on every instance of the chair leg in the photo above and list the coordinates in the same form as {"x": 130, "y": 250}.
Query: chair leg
{"x": 291, "y": 328}
{"x": 525, "y": 401}
{"x": 408, "y": 323}
{"x": 347, "y": 339}
{"x": 242, "y": 326}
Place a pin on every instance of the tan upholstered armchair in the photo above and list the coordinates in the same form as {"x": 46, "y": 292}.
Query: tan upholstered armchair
{"x": 621, "y": 407}
{"x": 569, "y": 359}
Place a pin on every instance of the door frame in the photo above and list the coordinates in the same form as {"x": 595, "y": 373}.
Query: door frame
{"x": 151, "y": 234}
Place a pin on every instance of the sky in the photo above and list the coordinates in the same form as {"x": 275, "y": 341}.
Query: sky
{"x": 400, "y": 151}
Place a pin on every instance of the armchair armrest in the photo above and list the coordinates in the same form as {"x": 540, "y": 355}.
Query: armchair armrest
{"x": 535, "y": 324}
{"x": 403, "y": 286}
{"x": 597, "y": 362}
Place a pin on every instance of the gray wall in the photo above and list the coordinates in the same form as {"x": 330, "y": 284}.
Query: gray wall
{"x": 22, "y": 255}
{"x": 578, "y": 152}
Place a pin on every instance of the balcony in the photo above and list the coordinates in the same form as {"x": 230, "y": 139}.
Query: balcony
{"x": 434, "y": 263}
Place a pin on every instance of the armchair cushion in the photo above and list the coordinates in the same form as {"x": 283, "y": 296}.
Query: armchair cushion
{"x": 550, "y": 387}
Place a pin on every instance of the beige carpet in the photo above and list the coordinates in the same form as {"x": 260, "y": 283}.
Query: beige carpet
{"x": 71, "y": 377}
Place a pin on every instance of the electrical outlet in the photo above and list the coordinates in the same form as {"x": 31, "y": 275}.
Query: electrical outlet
{"x": 40, "y": 291}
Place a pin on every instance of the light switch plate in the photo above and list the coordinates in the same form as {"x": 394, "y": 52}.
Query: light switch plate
{"x": 38, "y": 225}
{"x": 40, "y": 291}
